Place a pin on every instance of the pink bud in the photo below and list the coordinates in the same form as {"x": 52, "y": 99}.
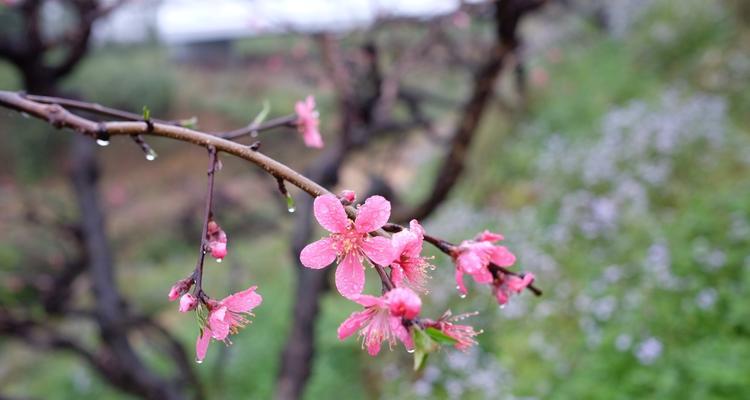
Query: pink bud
{"x": 217, "y": 240}
{"x": 218, "y": 250}
{"x": 488, "y": 236}
{"x": 403, "y": 302}
{"x": 348, "y": 196}
{"x": 179, "y": 288}
{"x": 188, "y": 302}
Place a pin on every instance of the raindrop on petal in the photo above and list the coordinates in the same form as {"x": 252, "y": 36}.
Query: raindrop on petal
{"x": 410, "y": 350}
{"x": 199, "y": 361}
{"x": 218, "y": 260}
{"x": 462, "y": 295}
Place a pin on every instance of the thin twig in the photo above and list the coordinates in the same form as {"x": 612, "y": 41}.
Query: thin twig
{"x": 288, "y": 121}
{"x": 198, "y": 273}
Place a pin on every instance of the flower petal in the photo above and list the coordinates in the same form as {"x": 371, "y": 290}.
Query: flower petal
{"x": 469, "y": 261}
{"x": 400, "y": 331}
{"x": 244, "y": 301}
{"x": 350, "y": 276}
{"x": 353, "y": 324}
{"x": 460, "y": 281}
{"x": 502, "y": 256}
{"x": 402, "y": 240}
{"x": 482, "y": 275}
{"x": 365, "y": 300}
{"x": 330, "y": 213}
{"x": 218, "y": 324}
{"x": 488, "y": 236}
{"x": 378, "y": 249}
{"x": 373, "y": 214}
{"x": 318, "y": 254}
{"x": 201, "y": 345}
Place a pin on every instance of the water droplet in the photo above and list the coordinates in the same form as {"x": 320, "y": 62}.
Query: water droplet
{"x": 218, "y": 260}
{"x": 102, "y": 142}
{"x": 291, "y": 209}
{"x": 502, "y": 306}
{"x": 410, "y": 350}
{"x": 25, "y": 115}
{"x": 462, "y": 295}
{"x": 458, "y": 288}
{"x": 151, "y": 155}
{"x": 204, "y": 252}
{"x": 199, "y": 361}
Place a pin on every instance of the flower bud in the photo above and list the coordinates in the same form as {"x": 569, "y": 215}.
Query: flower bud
{"x": 348, "y": 196}
{"x": 188, "y": 302}
{"x": 179, "y": 288}
{"x": 403, "y": 302}
{"x": 488, "y": 236}
{"x": 218, "y": 250}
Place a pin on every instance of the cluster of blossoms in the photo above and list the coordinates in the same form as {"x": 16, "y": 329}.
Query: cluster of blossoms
{"x": 394, "y": 316}
{"x": 354, "y": 244}
{"x": 485, "y": 262}
{"x": 219, "y": 318}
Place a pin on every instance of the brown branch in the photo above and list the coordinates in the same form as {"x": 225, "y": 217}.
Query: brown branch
{"x": 95, "y": 108}
{"x": 507, "y": 16}
{"x": 61, "y": 118}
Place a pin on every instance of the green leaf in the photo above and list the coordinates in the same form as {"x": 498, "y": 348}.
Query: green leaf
{"x": 423, "y": 346}
{"x": 439, "y": 336}
{"x": 190, "y": 123}
{"x": 146, "y": 113}
{"x": 262, "y": 114}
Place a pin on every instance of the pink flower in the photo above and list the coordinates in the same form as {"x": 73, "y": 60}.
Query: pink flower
{"x": 349, "y": 242}
{"x": 179, "y": 288}
{"x": 409, "y": 267}
{"x": 226, "y": 317}
{"x": 509, "y": 284}
{"x": 473, "y": 257}
{"x": 217, "y": 241}
{"x": 188, "y": 302}
{"x": 382, "y": 319}
{"x": 307, "y": 122}
{"x": 462, "y": 334}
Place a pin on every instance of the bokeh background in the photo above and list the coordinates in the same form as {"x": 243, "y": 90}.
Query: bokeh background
{"x": 618, "y": 174}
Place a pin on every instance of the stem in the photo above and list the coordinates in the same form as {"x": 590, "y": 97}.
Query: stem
{"x": 198, "y": 273}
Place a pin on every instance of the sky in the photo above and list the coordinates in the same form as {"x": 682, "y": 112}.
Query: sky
{"x": 194, "y": 20}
